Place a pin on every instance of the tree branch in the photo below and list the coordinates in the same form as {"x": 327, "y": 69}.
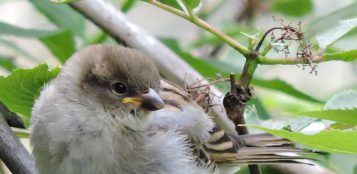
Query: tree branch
{"x": 12, "y": 119}
{"x": 118, "y": 26}
{"x": 12, "y": 152}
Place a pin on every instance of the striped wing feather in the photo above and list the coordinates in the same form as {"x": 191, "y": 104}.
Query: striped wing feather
{"x": 231, "y": 149}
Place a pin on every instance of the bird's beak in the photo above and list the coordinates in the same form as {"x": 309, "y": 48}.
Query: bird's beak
{"x": 150, "y": 101}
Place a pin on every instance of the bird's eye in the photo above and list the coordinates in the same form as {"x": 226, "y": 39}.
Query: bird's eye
{"x": 119, "y": 87}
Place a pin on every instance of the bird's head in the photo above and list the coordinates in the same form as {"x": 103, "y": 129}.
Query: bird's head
{"x": 121, "y": 81}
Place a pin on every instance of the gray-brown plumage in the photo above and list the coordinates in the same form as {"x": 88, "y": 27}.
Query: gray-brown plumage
{"x": 224, "y": 148}
{"x": 107, "y": 112}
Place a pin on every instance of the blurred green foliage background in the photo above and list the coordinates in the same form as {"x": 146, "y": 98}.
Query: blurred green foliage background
{"x": 35, "y": 32}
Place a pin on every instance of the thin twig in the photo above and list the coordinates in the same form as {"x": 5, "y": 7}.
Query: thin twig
{"x": 264, "y": 36}
{"x": 233, "y": 83}
{"x": 208, "y": 84}
{"x": 204, "y": 25}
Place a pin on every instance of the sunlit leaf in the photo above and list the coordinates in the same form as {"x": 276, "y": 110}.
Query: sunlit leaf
{"x": 340, "y": 116}
{"x": 294, "y": 8}
{"x": 346, "y": 56}
{"x": 61, "y": 44}
{"x": 342, "y": 126}
{"x": 20, "y": 89}
{"x": 325, "y": 22}
{"x": 336, "y": 141}
{"x": 341, "y": 108}
{"x": 333, "y": 34}
{"x": 343, "y": 100}
{"x": 21, "y": 133}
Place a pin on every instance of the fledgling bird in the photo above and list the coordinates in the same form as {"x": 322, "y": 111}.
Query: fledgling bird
{"x": 109, "y": 112}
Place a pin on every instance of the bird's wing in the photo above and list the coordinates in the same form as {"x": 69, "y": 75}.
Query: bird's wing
{"x": 213, "y": 144}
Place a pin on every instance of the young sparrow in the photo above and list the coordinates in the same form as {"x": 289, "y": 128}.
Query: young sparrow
{"x": 107, "y": 112}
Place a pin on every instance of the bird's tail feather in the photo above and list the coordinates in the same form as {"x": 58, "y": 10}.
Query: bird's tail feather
{"x": 252, "y": 149}
{"x": 266, "y": 148}
{"x": 262, "y": 140}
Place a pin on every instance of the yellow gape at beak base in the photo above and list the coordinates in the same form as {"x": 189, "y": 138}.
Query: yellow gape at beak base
{"x": 132, "y": 100}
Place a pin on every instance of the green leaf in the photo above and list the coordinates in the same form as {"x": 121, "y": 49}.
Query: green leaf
{"x": 7, "y": 29}
{"x": 127, "y": 5}
{"x": 61, "y": 44}
{"x": 341, "y": 126}
{"x": 192, "y": 5}
{"x": 343, "y": 100}
{"x": 282, "y": 86}
{"x": 325, "y": 22}
{"x": 20, "y": 89}
{"x": 63, "y": 1}
{"x": 185, "y": 5}
{"x": 7, "y": 63}
{"x": 340, "y": 116}
{"x": 346, "y": 56}
{"x": 61, "y": 15}
{"x": 336, "y": 141}
{"x": 293, "y": 8}
{"x": 205, "y": 68}
{"x": 333, "y": 34}
{"x": 208, "y": 70}
{"x": 21, "y": 133}
{"x": 341, "y": 108}
{"x": 97, "y": 38}
{"x": 172, "y": 3}
{"x": 261, "y": 110}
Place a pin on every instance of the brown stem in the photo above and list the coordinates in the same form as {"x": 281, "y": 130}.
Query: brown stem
{"x": 233, "y": 83}
{"x": 235, "y": 101}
